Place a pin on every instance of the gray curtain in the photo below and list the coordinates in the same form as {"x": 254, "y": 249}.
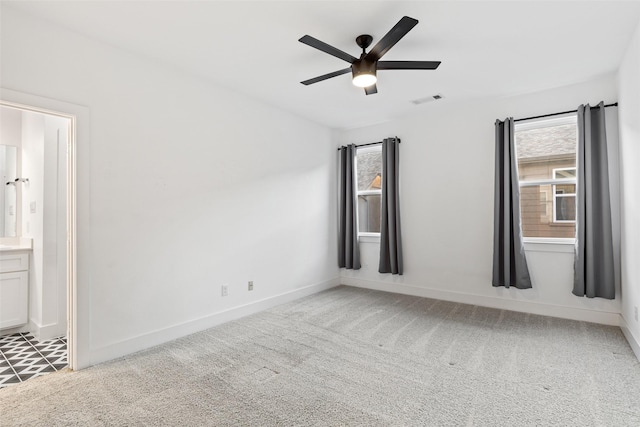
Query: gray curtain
{"x": 594, "y": 267}
{"x": 509, "y": 262}
{"x": 348, "y": 249}
{"x": 390, "y": 232}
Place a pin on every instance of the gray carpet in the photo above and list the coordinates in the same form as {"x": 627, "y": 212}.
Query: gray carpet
{"x": 350, "y": 356}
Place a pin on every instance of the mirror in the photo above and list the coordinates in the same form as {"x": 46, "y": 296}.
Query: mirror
{"x": 8, "y": 193}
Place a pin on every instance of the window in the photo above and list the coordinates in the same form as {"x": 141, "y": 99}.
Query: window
{"x": 564, "y": 197}
{"x": 369, "y": 185}
{"x": 546, "y": 152}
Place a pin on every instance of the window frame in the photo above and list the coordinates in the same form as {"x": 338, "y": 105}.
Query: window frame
{"x": 365, "y": 236}
{"x": 569, "y": 118}
{"x": 556, "y": 195}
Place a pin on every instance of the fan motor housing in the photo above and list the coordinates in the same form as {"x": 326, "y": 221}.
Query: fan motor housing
{"x": 363, "y": 66}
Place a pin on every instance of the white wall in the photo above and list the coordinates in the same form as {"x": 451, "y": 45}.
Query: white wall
{"x": 53, "y": 212}
{"x": 447, "y": 173}
{"x": 189, "y": 186}
{"x": 629, "y": 90}
{"x": 33, "y": 222}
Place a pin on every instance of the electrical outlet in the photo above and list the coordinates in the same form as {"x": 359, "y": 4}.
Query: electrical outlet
{"x": 635, "y": 312}
{"x": 225, "y": 290}
{"x": 250, "y": 285}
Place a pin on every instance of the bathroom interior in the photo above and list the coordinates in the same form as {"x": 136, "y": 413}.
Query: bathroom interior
{"x": 33, "y": 247}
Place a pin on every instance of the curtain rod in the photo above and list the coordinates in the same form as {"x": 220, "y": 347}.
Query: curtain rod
{"x": 615, "y": 104}
{"x": 370, "y": 143}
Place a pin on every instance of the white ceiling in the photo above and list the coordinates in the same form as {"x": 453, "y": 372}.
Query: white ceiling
{"x": 487, "y": 48}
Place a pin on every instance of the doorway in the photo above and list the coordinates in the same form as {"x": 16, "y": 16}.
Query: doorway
{"x": 45, "y": 219}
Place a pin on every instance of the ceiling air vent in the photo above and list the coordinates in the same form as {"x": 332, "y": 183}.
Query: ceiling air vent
{"x": 428, "y": 99}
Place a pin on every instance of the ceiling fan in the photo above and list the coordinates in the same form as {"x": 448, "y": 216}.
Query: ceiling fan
{"x": 364, "y": 69}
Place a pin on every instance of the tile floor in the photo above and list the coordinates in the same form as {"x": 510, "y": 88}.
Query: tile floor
{"x": 23, "y": 357}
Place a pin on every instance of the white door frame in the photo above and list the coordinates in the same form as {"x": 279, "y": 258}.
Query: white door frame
{"x": 77, "y": 299}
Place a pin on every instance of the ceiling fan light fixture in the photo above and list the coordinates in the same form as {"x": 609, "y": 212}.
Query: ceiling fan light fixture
{"x": 364, "y": 73}
{"x": 364, "y": 80}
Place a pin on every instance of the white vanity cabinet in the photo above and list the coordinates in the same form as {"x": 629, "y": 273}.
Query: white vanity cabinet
{"x": 14, "y": 288}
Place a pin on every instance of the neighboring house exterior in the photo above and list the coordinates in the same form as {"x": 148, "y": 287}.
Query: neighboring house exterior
{"x": 547, "y": 153}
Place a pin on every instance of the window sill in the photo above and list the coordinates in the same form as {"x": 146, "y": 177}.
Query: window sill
{"x": 544, "y": 244}
{"x": 369, "y": 238}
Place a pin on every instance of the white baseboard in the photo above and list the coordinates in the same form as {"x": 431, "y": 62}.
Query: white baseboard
{"x": 45, "y": 332}
{"x": 634, "y": 342}
{"x": 602, "y": 317}
{"x": 16, "y": 330}
{"x": 41, "y": 333}
{"x": 171, "y": 333}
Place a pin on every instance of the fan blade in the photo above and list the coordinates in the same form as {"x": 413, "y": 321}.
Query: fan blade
{"x": 408, "y": 65}
{"x": 313, "y": 42}
{"x": 370, "y": 90}
{"x": 391, "y": 38}
{"x": 326, "y": 76}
